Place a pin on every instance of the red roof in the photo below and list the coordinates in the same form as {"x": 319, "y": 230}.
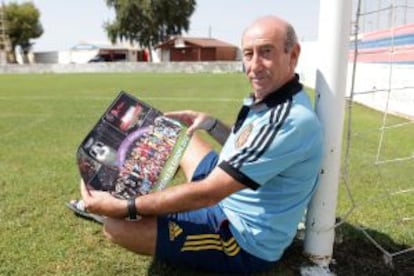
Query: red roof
{"x": 200, "y": 42}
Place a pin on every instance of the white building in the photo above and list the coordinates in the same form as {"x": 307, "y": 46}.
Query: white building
{"x": 92, "y": 52}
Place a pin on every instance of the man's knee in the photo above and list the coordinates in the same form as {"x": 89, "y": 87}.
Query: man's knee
{"x": 139, "y": 237}
{"x": 195, "y": 152}
{"x": 111, "y": 229}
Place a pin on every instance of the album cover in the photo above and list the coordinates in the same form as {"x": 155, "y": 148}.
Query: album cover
{"x": 132, "y": 150}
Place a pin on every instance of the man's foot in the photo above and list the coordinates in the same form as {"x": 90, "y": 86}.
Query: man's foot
{"x": 78, "y": 207}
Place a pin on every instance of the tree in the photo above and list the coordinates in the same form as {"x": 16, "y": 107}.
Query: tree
{"x": 149, "y": 22}
{"x": 22, "y": 25}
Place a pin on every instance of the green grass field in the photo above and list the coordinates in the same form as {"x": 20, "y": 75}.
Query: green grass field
{"x": 43, "y": 118}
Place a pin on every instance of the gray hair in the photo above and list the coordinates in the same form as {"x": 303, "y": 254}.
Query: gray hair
{"x": 291, "y": 38}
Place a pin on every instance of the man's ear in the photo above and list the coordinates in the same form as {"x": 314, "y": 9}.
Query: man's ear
{"x": 294, "y": 56}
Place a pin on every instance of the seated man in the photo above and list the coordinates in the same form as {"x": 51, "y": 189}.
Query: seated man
{"x": 240, "y": 209}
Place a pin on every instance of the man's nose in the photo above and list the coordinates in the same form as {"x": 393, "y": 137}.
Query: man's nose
{"x": 256, "y": 62}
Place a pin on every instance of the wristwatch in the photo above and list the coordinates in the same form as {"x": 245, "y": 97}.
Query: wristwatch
{"x": 132, "y": 210}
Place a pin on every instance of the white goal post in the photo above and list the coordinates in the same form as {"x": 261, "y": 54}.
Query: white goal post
{"x": 331, "y": 72}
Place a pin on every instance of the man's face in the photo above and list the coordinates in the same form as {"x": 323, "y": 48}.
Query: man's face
{"x": 267, "y": 65}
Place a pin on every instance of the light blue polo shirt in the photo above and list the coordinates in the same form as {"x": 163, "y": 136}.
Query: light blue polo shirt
{"x": 275, "y": 149}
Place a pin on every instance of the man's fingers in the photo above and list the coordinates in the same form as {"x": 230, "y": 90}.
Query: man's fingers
{"x": 84, "y": 190}
{"x": 190, "y": 131}
{"x": 185, "y": 116}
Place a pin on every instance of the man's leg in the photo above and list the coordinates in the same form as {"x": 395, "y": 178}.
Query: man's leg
{"x": 141, "y": 236}
{"x": 195, "y": 152}
{"x": 137, "y": 236}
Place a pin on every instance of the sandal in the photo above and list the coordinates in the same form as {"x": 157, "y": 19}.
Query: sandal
{"x": 78, "y": 207}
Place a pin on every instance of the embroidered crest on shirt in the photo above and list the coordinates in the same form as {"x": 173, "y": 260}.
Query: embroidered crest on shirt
{"x": 243, "y": 136}
{"x": 174, "y": 230}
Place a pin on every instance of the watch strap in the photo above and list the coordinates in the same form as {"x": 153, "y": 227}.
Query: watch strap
{"x": 132, "y": 209}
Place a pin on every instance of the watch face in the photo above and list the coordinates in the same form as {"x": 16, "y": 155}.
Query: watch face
{"x": 137, "y": 218}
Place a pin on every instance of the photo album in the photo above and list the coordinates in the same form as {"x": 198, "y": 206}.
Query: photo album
{"x": 132, "y": 150}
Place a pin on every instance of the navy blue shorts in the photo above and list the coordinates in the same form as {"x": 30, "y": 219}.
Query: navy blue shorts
{"x": 201, "y": 239}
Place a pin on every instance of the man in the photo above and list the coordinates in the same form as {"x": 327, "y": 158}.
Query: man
{"x": 240, "y": 210}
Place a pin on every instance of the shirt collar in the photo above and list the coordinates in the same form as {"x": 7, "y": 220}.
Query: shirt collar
{"x": 278, "y": 96}
{"x": 273, "y": 99}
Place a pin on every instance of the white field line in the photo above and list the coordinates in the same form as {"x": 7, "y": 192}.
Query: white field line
{"x": 74, "y": 98}
{"x": 40, "y": 118}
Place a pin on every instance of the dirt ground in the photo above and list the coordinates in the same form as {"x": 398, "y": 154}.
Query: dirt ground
{"x": 356, "y": 255}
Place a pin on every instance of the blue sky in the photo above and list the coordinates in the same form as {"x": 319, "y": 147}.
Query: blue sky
{"x": 67, "y": 23}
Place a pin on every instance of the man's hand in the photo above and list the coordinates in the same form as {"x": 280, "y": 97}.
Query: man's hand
{"x": 103, "y": 203}
{"x": 194, "y": 120}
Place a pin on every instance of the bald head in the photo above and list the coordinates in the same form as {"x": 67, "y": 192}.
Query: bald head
{"x": 277, "y": 28}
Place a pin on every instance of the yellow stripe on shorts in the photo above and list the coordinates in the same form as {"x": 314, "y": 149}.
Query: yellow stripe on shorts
{"x": 211, "y": 242}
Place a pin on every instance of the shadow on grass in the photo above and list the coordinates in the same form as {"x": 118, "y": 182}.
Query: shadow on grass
{"x": 354, "y": 255}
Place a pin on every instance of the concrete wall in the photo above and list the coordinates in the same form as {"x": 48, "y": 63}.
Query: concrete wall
{"x": 124, "y": 67}
{"x": 385, "y": 87}
{"x": 376, "y": 84}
